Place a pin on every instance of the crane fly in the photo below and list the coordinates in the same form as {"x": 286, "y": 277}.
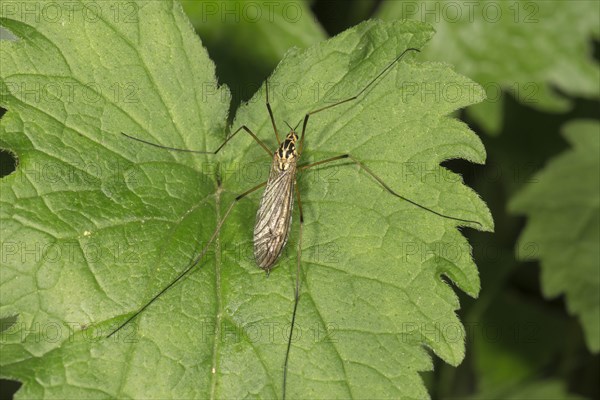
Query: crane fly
{"x": 274, "y": 215}
{"x": 273, "y": 218}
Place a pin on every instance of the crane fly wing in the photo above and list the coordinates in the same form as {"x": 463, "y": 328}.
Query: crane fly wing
{"x": 274, "y": 216}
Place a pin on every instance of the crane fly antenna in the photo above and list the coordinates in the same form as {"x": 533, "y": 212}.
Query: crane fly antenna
{"x": 289, "y": 126}
{"x": 296, "y": 127}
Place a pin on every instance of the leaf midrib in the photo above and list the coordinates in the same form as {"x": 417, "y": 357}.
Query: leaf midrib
{"x": 218, "y": 294}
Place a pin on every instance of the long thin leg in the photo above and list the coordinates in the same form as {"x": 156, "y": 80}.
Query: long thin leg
{"x": 194, "y": 262}
{"x": 318, "y": 110}
{"x": 244, "y": 127}
{"x": 271, "y": 111}
{"x": 382, "y": 183}
{"x": 296, "y": 292}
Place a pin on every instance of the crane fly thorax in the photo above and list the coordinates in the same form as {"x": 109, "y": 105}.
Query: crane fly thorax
{"x": 286, "y": 152}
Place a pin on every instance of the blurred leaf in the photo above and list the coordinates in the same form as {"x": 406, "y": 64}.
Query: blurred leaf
{"x": 536, "y": 390}
{"x": 94, "y": 224}
{"x": 563, "y": 206}
{"x": 510, "y": 338}
{"x": 513, "y": 340}
{"x": 519, "y": 47}
{"x": 338, "y": 15}
{"x": 246, "y": 39}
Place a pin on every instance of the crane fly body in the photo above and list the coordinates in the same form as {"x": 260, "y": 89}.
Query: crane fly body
{"x": 274, "y": 215}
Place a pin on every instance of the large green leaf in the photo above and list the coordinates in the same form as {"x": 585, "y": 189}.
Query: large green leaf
{"x": 563, "y": 206}
{"x": 518, "y": 47}
{"x": 94, "y": 224}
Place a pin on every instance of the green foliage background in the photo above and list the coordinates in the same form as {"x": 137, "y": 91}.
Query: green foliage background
{"x": 533, "y": 332}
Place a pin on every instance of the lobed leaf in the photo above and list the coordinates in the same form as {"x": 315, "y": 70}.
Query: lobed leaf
{"x": 518, "y": 47}
{"x": 94, "y": 224}
{"x": 563, "y": 206}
